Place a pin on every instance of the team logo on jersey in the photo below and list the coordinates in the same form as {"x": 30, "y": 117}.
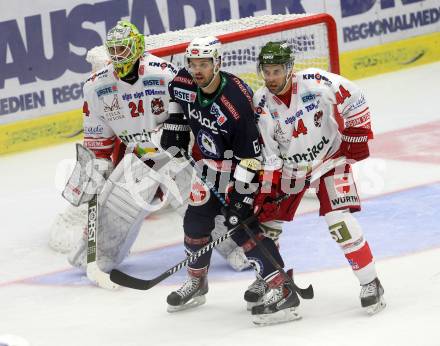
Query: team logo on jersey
{"x": 292, "y": 118}
{"x": 215, "y": 110}
{"x": 94, "y": 130}
{"x": 318, "y": 118}
{"x": 312, "y": 106}
{"x": 307, "y": 97}
{"x": 157, "y": 106}
{"x": 142, "y": 137}
{"x": 351, "y": 107}
{"x": 207, "y": 144}
{"x": 114, "y": 105}
{"x": 280, "y": 135}
{"x": 154, "y": 82}
{"x": 153, "y": 92}
{"x": 318, "y": 77}
{"x": 200, "y": 194}
{"x": 112, "y": 110}
{"x": 341, "y": 190}
{"x": 98, "y": 75}
{"x": 163, "y": 66}
{"x": 184, "y": 95}
{"x": 184, "y": 80}
{"x": 205, "y": 122}
{"x": 107, "y": 90}
{"x": 230, "y": 107}
{"x": 311, "y": 154}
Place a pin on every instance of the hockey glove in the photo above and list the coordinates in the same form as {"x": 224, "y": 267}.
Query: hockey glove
{"x": 240, "y": 208}
{"x": 270, "y": 188}
{"x": 267, "y": 207}
{"x": 175, "y": 134}
{"x": 354, "y": 144}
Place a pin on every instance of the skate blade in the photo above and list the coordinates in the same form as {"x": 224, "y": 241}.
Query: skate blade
{"x": 278, "y": 317}
{"x": 194, "y": 302}
{"x": 376, "y": 308}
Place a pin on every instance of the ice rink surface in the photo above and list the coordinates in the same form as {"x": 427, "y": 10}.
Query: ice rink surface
{"x": 47, "y": 303}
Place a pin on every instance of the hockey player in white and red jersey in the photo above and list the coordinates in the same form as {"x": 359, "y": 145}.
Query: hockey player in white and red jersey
{"x": 303, "y": 147}
{"x": 128, "y": 100}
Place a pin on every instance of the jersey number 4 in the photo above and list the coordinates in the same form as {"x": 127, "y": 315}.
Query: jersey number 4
{"x": 136, "y": 109}
{"x": 300, "y": 129}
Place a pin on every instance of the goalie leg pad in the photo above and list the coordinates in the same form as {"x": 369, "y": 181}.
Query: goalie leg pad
{"x": 229, "y": 249}
{"x": 67, "y": 228}
{"x": 347, "y": 232}
{"x": 124, "y": 202}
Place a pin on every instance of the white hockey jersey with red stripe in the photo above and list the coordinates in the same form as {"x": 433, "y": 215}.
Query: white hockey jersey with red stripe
{"x": 113, "y": 108}
{"x": 306, "y": 134}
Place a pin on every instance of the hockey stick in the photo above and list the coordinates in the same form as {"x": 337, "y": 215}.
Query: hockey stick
{"x": 95, "y": 274}
{"x": 305, "y": 293}
{"x": 73, "y": 134}
{"x": 126, "y": 280}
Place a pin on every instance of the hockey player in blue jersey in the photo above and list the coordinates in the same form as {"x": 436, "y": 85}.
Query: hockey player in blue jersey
{"x": 217, "y": 107}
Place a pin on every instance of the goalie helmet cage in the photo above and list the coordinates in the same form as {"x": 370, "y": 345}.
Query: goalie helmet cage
{"x": 312, "y": 37}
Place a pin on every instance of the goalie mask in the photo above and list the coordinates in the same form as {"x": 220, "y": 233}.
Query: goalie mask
{"x": 276, "y": 53}
{"x": 208, "y": 47}
{"x": 125, "y": 45}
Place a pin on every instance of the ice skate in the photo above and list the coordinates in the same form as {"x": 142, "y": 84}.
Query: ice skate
{"x": 255, "y": 293}
{"x": 372, "y": 297}
{"x": 191, "y": 294}
{"x": 279, "y": 304}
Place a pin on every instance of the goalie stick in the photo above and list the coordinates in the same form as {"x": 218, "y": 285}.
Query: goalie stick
{"x": 95, "y": 274}
{"x": 305, "y": 293}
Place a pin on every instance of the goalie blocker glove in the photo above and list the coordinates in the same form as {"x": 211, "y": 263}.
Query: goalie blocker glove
{"x": 176, "y": 131}
{"x": 354, "y": 144}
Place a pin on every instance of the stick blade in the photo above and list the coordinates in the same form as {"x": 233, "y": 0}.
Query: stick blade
{"x": 126, "y": 280}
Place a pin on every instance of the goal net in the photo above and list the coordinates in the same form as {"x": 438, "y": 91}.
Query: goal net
{"x": 312, "y": 38}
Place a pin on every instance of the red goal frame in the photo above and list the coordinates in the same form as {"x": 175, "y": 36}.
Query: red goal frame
{"x": 322, "y": 18}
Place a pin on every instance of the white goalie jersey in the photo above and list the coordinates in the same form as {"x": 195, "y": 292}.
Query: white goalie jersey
{"x": 113, "y": 108}
{"x": 305, "y": 135}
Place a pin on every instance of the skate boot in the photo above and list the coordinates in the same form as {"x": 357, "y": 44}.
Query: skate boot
{"x": 279, "y": 303}
{"x": 255, "y": 293}
{"x": 372, "y": 297}
{"x": 191, "y": 294}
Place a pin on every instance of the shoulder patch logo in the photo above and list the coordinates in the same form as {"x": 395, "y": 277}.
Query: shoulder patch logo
{"x": 207, "y": 144}
{"x": 157, "y": 106}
